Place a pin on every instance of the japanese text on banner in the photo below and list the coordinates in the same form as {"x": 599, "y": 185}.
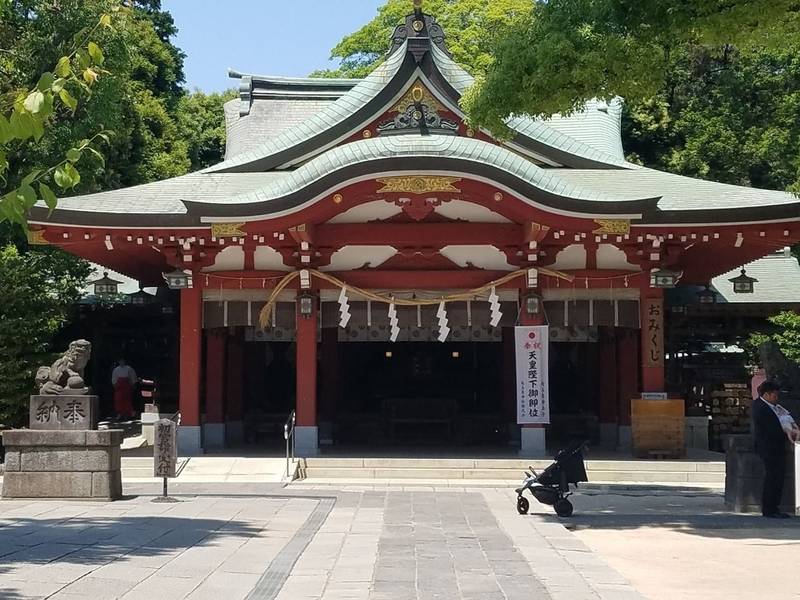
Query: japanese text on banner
{"x": 531, "y": 345}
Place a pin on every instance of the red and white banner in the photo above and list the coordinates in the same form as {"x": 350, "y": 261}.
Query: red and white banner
{"x": 531, "y": 345}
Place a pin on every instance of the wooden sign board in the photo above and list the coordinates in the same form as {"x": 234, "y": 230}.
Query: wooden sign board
{"x": 165, "y": 449}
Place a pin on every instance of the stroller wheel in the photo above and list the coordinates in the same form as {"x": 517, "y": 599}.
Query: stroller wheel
{"x": 563, "y": 508}
{"x": 523, "y": 505}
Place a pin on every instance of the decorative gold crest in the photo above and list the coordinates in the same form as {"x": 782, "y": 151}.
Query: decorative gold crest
{"x": 613, "y": 226}
{"x": 337, "y": 198}
{"x": 418, "y": 185}
{"x": 418, "y": 94}
{"x": 223, "y": 230}
{"x": 36, "y": 237}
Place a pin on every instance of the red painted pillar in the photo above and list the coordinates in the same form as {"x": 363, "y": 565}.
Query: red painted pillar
{"x": 307, "y": 366}
{"x": 215, "y": 375}
{"x": 190, "y": 354}
{"x": 191, "y": 351}
{"x": 652, "y": 339}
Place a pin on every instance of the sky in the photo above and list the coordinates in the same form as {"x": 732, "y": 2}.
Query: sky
{"x": 267, "y": 37}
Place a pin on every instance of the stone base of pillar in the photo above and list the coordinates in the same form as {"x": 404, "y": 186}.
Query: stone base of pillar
{"x": 608, "y": 436}
{"x": 234, "y": 432}
{"x": 532, "y": 442}
{"x": 306, "y": 441}
{"x": 190, "y": 440}
{"x": 624, "y": 438}
{"x": 213, "y": 435}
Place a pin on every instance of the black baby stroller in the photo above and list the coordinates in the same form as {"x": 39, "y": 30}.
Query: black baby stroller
{"x": 551, "y": 486}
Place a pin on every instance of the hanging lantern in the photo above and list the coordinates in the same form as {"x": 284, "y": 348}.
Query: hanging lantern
{"x": 533, "y": 304}
{"x": 707, "y": 296}
{"x": 141, "y": 298}
{"x": 178, "y": 279}
{"x": 743, "y": 283}
{"x": 306, "y": 305}
{"x": 664, "y": 279}
{"x": 105, "y": 286}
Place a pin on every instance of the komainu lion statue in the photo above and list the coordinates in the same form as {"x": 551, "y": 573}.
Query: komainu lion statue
{"x": 65, "y": 376}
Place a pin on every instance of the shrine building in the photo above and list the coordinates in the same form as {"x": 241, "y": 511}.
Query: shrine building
{"x": 362, "y": 256}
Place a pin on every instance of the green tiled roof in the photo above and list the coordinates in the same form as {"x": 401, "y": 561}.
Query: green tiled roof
{"x": 333, "y": 113}
{"x": 446, "y": 146}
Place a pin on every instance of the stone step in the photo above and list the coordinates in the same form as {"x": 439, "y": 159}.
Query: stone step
{"x": 507, "y": 474}
{"x": 633, "y": 466}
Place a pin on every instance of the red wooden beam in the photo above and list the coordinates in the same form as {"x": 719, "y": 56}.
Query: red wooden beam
{"x": 419, "y": 234}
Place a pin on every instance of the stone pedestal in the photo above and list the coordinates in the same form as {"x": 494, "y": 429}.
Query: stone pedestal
{"x": 744, "y": 476}
{"x": 62, "y": 464}
{"x": 306, "y": 441}
{"x": 697, "y": 432}
{"x": 532, "y": 442}
{"x": 149, "y": 420}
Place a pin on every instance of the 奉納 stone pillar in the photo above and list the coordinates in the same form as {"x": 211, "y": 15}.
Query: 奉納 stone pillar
{"x": 532, "y": 436}
{"x": 306, "y": 430}
{"x": 191, "y": 331}
{"x": 234, "y": 428}
{"x": 214, "y": 427}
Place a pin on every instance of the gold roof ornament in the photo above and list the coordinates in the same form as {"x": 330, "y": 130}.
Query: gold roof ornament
{"x": 418, "y": 94}
{"x": 36, "y": 237}
{"x": 613, "y": 226}
{"x": 223, "y": 230}
{"x": 418, "y": 185}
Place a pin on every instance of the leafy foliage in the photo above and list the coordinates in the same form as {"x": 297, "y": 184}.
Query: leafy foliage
{"x": 725, "y": 115}
{"x": 786, "y": 336}
{"x": 25, "y": 112}
{"x": 201, "y": 124}
{"x": 469, "y": 25}
{"x": 562, "y": 53}
{"x": 37, "y": 290}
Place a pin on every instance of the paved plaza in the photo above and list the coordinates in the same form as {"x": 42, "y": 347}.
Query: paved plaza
{"x": 379, "y": 542}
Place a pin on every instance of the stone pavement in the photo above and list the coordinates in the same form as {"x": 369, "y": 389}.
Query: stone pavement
{"x": 688, "y": 547}
{"x": 242, "y": 541}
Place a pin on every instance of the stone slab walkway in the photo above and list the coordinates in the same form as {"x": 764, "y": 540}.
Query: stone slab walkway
{"x": 265, "y": 541}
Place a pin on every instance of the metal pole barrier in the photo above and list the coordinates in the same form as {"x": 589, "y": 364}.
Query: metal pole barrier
{"x": 286, "y": 437}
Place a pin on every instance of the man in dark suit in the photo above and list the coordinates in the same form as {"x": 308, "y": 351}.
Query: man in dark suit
{"x": 770, "y": 443}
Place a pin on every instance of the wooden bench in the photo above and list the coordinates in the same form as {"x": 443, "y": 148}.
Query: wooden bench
{"x": 420, "y": 411}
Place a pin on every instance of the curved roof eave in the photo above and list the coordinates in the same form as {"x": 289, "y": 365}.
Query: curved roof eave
{"x": 466, "y": 155}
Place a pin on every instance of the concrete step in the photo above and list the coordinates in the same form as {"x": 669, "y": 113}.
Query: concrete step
{"x": 605, "y": 471}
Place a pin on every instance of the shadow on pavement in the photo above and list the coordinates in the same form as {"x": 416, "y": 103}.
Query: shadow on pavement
{"x": 74, "y": 544}
{"x": 693, "y": 514}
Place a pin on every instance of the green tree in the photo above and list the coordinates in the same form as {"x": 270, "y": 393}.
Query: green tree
{"x": 562, "y": 53}
{"x": 201, "y": 125}
{"x": 725, "y": 115}
{"x": 136, "y": 96}
{"x": 469, "y": 25}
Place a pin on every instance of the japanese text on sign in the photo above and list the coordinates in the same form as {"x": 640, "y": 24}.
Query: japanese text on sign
{"x": 165, "y": 451}
{"x": 654, "y": 332}
{"x": 531, "y": 346}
